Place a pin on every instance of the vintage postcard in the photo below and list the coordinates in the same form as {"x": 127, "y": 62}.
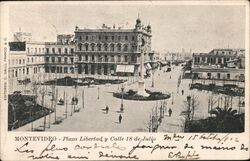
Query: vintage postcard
{"x": 109, "y": 80}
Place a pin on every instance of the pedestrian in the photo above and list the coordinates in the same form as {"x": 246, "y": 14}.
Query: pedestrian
{"x": 107, "y": 109}
{"x": 170, "y": 112}
{"x": 182, "y": 92}
{"x": 170, "y": 77}
{"x": 120, "y": 118}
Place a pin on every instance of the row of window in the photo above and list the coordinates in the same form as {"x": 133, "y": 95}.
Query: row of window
{"x": 222, "y": 52}
{"x": 211, "y": 60}
{"x": 53, "y": 50}
{"x": 29, "y": 60}
{"x": 59, "y": 69}
{"x": 106, "y": 58}
{"x": 59, "y": 50}
{"x": 106, "y": 38}
{"x": 59, "y": 59}
{"x": 24, "y": 71}
{"x": 35, "y": 50}
{"x": 18, "y": 61}
{"x": 93, "y": 69}
{"x": 227, "y": 76}
{"x": 105, "y": 47}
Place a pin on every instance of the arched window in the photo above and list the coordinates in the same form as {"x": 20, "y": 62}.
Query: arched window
{"x": 112, "y": 47}
{"x": 125, "y": 48}
{"x": 86, "y": 47}
{"x": 99, "y": 47}
{"x": 106, "y": 47}
{"x": 80, "y": 47}
{"x": 119, "y": 47}
{"x": 93, "y": 47}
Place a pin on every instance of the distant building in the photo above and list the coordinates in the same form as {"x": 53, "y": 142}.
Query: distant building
{"x": 220, "y": 58}
{"x": 22, "y": 36}
{"x": 65, "y": 39}
{"x": 221, "y": 64}
{"x": 177, "y": 56}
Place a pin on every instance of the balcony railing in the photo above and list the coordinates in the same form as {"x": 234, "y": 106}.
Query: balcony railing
{"x": 60, "y": 63}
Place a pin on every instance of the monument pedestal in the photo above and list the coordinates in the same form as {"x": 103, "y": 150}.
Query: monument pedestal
{"x": 141, "y": 89}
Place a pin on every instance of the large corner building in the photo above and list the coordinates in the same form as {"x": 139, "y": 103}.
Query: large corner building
{"x": 113, "y": 50}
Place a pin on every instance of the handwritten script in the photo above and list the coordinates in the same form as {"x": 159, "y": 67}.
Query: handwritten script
{"x": 169, "y": 146}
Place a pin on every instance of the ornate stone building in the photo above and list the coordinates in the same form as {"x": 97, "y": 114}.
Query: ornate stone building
{"x": 107, "y": 50}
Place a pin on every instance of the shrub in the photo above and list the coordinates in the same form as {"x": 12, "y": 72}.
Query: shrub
{"x": 131, "y": 92}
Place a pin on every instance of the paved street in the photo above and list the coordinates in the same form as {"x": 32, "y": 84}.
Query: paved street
{"x": 136, "y": 115}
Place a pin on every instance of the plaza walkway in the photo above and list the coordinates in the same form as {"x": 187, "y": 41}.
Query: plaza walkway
{"x": 136, "y": 114}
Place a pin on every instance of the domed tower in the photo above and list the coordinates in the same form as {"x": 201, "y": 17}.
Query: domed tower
{"x": 76, "y": 28}
{"x": 149, "y": 28}
{"x": 138, "y": 23}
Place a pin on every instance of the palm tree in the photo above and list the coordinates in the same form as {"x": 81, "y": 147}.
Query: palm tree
{"x": 226, "y": 119}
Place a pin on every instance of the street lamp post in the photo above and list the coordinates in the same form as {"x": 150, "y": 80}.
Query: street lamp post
{"x": 122, "y": 89}
{"x": 189, "y": 104}
{"x": 66, "y": 104}
{"x": 98, "y": 92}
{"x": 83, "y": 98}
{"x": 55, "y": 100}
{"x": 172, "y": 97}
{"x": 43, "y": 94}
{"x": 152, "y": 78}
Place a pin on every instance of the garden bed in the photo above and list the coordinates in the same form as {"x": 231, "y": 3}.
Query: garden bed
{"x": 68, "y": 81}
{"x": 212, "y": 124}
{"x": 132, "y": 95}
{"x": 227, "y": 89}
{"x": 22, "y": 110}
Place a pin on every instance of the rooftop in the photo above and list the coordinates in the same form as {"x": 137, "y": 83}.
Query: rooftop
{"x": 105, "y": 30}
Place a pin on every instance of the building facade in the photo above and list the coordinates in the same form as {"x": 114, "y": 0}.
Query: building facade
{"x": 22, "y": 36}
{"x": 26, "y": 60}
{"x": 220, "y": 64}
{"x": 59, "y": 56}
{"x": 102, "y": 51}
{"x": 220, "y": 58}
{"x": 89, "y": 52}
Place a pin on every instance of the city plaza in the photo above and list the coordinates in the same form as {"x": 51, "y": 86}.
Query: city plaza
{"x": 110, "y": 53}
{"x": 136, "y": 113}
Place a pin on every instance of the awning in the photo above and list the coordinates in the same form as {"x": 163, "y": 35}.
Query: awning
{"x": 187, "y": 71}
{"x": 125, "y": 68}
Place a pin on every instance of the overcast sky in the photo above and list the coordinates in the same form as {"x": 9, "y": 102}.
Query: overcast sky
{"x": 201, "y": 28}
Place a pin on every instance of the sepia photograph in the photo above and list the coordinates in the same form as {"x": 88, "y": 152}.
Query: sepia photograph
{"x": 126, "y": 68}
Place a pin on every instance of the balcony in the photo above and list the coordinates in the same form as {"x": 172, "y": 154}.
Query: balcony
{"x": 105, "y": 62}
{"x": 59, "y": 63}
